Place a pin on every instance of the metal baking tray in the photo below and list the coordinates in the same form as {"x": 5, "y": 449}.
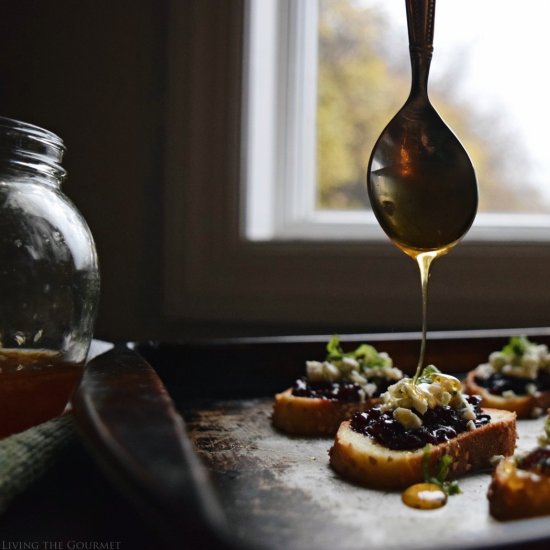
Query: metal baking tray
{"x": 224, "y": 478}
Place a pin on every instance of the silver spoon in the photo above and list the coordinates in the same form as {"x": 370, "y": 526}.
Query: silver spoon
{"x": 421, "y": 182}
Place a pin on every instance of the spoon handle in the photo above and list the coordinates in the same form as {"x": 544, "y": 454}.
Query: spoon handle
{"x": 420, "y": 23}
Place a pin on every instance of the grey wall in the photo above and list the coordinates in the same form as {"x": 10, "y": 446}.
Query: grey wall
{"x": 93, "y": 72}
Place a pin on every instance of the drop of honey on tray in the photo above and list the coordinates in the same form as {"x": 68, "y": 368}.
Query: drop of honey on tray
{"x": 424, "y": 496}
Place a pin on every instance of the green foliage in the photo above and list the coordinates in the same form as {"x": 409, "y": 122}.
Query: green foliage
{"x": 359, "y": 91}
{"x": 349, "y": 116}
{"x": 440, "y": 478}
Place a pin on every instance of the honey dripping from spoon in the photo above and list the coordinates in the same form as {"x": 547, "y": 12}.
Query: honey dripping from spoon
{"x": 421, "y": 182}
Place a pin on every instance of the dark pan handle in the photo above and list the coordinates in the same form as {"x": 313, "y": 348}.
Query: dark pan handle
{"x": 128, "y": 421}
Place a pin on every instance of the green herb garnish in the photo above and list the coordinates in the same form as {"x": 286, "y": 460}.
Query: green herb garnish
{"x": 334, "y": 349}
{"x": 516, "y": 346}
{"x": 426, "y": 376}
{"x": 366, "y": 355}
{"x": 449, "y": 487}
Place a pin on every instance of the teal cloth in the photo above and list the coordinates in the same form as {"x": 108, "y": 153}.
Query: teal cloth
{"x": 26, "y": 456}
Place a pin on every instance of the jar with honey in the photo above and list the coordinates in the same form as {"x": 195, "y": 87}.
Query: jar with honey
{"x": 49, "y": 280}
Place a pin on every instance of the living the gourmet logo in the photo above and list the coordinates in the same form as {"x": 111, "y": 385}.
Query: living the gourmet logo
{"x": 60, "y": 545}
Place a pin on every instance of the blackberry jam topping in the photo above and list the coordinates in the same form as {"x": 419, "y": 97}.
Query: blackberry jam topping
{"x": 499, "y": 383}
{"x": 336, "y": 391}
{"x": 333, "y": 391}
{"x": 537, "y": 460}
{"x": 439, "y": 424}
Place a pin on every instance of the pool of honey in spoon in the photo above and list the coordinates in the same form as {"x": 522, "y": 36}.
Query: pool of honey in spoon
{"x": 35, "y": 386}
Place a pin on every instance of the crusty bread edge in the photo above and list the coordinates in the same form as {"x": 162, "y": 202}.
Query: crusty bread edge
{"x": 360, "y": 459}
{"x": 523, "y": 405}
{"x": 515, "y": 493}
{"x": 312, "y": 416}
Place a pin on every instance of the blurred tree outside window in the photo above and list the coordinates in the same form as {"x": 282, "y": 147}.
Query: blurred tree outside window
{"x": 488, "y": 82}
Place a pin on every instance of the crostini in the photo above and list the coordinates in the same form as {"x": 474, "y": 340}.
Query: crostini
{"x": 520, "y": 486}
{"x": 333, "y": 390}
{"x": 516, "y": 378}
{"x": 383, "y": 448}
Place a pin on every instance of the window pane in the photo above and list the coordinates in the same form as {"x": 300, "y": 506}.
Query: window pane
{"x": 487, "y": 83}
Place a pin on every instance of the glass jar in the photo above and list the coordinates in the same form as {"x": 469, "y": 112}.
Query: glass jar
{"x": 49, "y": 280}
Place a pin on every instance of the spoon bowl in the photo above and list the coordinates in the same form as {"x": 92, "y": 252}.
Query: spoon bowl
{"x": 421, "y": 182}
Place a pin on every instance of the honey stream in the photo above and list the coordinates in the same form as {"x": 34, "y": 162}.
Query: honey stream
{"x": 424, "y": 261}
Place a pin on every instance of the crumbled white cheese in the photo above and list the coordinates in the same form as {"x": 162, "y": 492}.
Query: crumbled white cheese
{"x": 352, "y": 370}
{"x": 369, "y": 389}
{"x": 437, "y": 389}
{"x": 484, "y": 370}
{"x": 523, "y": 363}
{"x": 471, "y": 425}
{"x": 347, "y": 364}
{"x": 391, "y": 373}
{"x": 545, "y": 439}
{"x": 443, "y": 390}
{"x": 468, "y": 412}
{"x": 497, "y": 360}
{"x": 322, "y": 372}
{"x": 508, "y": 394}
{"x": 314, "y": 370}
{"x": 357, "y": 378}
{"x": 407, "y": 418}
{"x": 531, "y": 389}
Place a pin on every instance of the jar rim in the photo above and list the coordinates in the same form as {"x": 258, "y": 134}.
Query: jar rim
{"x": 32, "y": 130}
{"x": 27, "y": 148}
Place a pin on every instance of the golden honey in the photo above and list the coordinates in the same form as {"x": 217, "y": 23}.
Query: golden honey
{"x": 35, "y": 386}
{"x": 424, "y": 496}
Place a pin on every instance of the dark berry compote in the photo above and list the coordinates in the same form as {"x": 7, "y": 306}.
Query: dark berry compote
{"x": 498, "y": 383}
{"x": 537, "y": 460}
{"x": 439, "y": 424}
{"x": 337, "y": 391}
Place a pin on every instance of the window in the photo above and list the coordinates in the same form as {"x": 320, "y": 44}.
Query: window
{"x": 346, "y": 278}
{"x": 325, "y": 76}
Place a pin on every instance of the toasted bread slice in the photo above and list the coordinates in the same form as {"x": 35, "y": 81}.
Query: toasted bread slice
{"x": 525, "y": 406}
{"x": 312, "y": 415}
{"x": 362, "y": 460}
{"x": 515, "y": 493}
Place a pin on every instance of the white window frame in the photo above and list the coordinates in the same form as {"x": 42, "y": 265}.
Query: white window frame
{"x": 339, "y": 282}
{"x": 279, "y": 139}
